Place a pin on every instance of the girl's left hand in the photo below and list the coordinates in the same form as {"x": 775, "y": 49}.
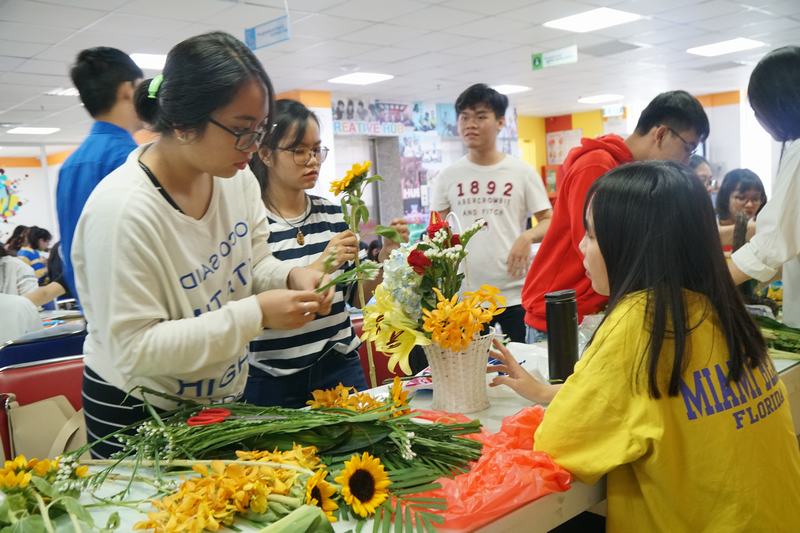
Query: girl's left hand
{"x": 517, "y": 378}
{"x": 308, "y": 279}
{"x": 400, "y": 225}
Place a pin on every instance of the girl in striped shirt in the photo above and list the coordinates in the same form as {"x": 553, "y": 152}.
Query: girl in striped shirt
{"x": 285, "y": 366}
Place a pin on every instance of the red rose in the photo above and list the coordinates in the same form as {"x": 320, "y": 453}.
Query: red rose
{"x": 418, "y": 261}
{"x": 455, "y": 239}
{"x": 436, "y": 226}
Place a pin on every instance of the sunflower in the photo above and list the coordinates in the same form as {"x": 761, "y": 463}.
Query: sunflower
{"x": 320, "y": 493}
{"x": 358, "y": 170}
{"x": 364, "y": 484}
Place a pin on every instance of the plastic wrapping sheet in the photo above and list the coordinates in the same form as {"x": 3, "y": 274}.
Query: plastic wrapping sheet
{"x": 508, "y": 474}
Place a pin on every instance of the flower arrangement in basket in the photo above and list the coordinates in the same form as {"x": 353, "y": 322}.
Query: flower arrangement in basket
{"x": 418, "y": 303}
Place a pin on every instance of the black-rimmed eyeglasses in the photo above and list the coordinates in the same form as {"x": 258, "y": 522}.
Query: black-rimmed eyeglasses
{"x": 244, "y": 139}
{"x": 690, "y": 148}
{"x": 302, "y": 156}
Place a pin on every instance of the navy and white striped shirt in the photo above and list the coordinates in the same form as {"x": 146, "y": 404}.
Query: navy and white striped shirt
{"x": 281, "y": 353}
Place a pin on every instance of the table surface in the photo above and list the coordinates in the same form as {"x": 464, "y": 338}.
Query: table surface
{"x": 539, "y": 515}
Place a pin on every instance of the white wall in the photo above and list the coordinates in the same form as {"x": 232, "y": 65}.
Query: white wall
{"x": 328, "y": 171}
{"x": 724, "y": 144}
{"x": 352, "y": 149}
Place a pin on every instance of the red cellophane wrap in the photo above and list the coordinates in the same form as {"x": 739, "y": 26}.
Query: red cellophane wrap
{"x": 508, "y": 474}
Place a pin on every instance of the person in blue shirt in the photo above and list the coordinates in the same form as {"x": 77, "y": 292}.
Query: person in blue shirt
{"x": 106, "y": 79}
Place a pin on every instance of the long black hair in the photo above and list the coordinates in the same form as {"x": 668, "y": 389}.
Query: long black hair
{"x": 774, "y": 92}
{"x": 741, "y": 179}
{"x": 36, "y": 234}
{"x": 657, "y": 233}
{"x": 201, "y": 75}
{"x": 18, "y": 238}
{"x": 289, "y": 122}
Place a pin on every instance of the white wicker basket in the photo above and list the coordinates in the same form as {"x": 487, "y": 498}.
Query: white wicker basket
{"x": 459, "y": 378}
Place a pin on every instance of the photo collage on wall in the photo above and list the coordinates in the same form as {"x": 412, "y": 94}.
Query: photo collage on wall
{"x": 428, "y": 137}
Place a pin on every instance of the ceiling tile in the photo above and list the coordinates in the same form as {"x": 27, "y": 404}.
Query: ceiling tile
{"x": 700, "y": 11}
{"x": 325, "y": 26}
{"x": 338, "y": 49}
{"x": 542, "y": 12}
{"x": 294, "y": 44}
{"x": 42, "y": 14}
{"x": 487, "y": 8}
{"x": 139, "y": 25}
{"x": 673, "y": 33}
{"x": 436, "y": 18}
{"x": 20, "y": 49}
{"x": 480, "y": 47}
{"x": 313, "y": 6}
{"x": 241, "y": 16}
{"x": 68, "y": 49}
{"x": 44, "y": 81}
{"x": 489, "y": 27}
{"x": 38, "y": 66}
{"x": 374, "y": 11}
{"x": 423, "y": 61}
{"x": 636, "y": 27}
{"x": 384, "y": 34}
{"x": 389, "y": 54}
{"x": 653, "y": 7}
{"x": 436, "y": 41}
{"x": 739, "y": 20}
{"x": 200, "y": 9}
{"x": 32, "y": 33}
{"x": 99, "y": 5}
{"x": 8, "y": 64}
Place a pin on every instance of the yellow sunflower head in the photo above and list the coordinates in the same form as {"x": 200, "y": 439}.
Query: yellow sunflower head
{"x": 320, "y": 493}
{"x": 364, "y": 484}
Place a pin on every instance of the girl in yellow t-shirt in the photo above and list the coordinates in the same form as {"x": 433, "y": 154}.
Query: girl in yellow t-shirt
{"x": 675, "y": 398}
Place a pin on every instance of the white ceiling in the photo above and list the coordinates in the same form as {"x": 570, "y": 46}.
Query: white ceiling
{"x": 435, "y": 48}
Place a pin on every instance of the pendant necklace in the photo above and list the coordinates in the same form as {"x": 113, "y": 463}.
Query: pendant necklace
{"x": 299, "y": 237}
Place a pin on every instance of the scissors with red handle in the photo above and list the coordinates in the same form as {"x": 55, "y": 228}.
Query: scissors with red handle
{"x": 215, "y": 415}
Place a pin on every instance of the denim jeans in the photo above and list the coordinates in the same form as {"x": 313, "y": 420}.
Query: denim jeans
{"x": 533, "y": 335}
{"x": 295, "y": 389}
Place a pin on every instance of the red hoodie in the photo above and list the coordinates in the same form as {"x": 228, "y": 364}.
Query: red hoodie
{"x": 558, "y": 263}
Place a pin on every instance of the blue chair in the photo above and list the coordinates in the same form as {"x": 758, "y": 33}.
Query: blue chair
{"x": 51, "y": 343}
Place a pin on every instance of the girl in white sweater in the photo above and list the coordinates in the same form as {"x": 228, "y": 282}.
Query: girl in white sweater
{"x": 171, "y": 257}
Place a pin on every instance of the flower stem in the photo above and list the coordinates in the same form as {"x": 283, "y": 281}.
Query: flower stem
{"x": 75, "y": 524}
{"x": 192, "y": 462}
{"x": 373, "y": 379}
{"x": 48, "y": 526}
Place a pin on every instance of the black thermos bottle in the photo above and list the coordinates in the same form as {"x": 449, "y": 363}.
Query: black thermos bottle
{"x": 562, "y": 333}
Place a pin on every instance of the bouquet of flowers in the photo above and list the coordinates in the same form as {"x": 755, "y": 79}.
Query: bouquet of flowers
{"x": 417, "y": 302}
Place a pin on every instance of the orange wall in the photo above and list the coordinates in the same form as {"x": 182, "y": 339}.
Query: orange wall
{"x": 309, "y": 98}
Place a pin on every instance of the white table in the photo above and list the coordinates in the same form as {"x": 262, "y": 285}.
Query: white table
{"x": 539, "y": 515}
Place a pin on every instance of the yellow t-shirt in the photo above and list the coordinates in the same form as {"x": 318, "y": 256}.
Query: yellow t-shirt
{"x": 716, "y": 457}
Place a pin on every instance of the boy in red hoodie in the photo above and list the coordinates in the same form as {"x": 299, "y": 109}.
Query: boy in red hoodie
{"x": 670, "y": 128}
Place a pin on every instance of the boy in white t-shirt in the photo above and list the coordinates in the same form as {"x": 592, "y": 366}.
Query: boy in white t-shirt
{"x": 488, "y": 184}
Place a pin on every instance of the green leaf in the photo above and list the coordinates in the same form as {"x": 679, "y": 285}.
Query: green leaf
{"x": 398, "y": 517}
{"x": 386, "y": 518}
{"x": 74, "y": 507}
{"x": 388, "y": 232}
{"x": 43, "y": 487}
{"x": 29, "y": 524}
{"x": 113, "y": 521}
{"x": 363, "y": 213}
{"x": 362, "y": 436}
